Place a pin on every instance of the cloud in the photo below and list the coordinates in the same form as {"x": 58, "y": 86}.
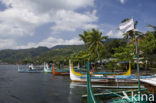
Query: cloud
{"x": 122, "y": 1}
{"x": 22, "y": 18}
{"x": 42, "y": 6}
{"x": 115, "y": 34}
{"x": 50, "y": 42}
{"x": 71, "y": 21}
{"x": 7, "y": 43}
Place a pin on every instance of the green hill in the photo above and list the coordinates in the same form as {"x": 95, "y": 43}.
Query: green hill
{"x": 44, "y": 54}
{"x": 13, "y": 56}
{"x": 39, "y": 54}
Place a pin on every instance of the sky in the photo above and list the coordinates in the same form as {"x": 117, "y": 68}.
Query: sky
{"x": 33, "y": 23}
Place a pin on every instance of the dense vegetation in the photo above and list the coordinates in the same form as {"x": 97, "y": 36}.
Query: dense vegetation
{"x": 121, "y": 50}
{"x": 14, "y": 56}
{"x": 39, "y": 55}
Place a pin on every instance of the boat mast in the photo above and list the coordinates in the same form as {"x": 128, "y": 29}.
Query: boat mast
{"x": 138, "y": 69}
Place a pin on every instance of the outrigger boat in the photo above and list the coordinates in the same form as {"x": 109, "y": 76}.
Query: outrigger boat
{"x": 30, "y": 69}
{"x": 59, "y": 71}
{"x": 92, "y": 99}
{"x": 47, "y": 69}
{"x": 100, "y": 78}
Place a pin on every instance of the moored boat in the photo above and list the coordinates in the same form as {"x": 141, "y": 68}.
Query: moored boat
{"x": 100, "y": 78}
{"x": 47, "y": 69}
{"x": 59, "y": 71}
{"x": 91, "y": 96}
{"x": 30, "y": 69}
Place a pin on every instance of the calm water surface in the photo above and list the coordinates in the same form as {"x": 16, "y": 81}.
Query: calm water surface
{"x": 42, "y": 88}
{"x": 35, "y": 87}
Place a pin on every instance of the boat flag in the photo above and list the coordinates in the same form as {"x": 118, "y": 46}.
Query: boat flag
{"x": 127, "y": 25}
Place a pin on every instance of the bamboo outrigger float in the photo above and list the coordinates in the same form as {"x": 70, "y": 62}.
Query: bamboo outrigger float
{"x": 59, "y": 72}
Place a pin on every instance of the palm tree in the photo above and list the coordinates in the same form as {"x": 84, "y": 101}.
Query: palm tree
{"x": 84, "y": 37}
{"x": 95, "y": 42}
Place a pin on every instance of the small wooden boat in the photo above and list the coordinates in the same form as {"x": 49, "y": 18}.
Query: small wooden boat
{"x": 59, "y": 71}
{"x": 47, "y": 69}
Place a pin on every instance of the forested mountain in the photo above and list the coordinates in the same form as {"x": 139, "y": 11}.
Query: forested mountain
{"x": 44, "y": 54}
{"x": 13, "y": 56}
{"x": 38, "y": 54}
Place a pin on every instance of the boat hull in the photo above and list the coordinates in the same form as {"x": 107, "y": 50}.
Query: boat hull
{"x": 78, "y": 77}
{"x": 58, "y": 73}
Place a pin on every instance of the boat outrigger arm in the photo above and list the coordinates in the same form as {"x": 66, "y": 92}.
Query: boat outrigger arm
{"x": 90, "y": 98}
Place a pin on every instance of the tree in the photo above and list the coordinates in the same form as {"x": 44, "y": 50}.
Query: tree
{"x": 84, "y": 37}
{"x": 110, "y": 45}
{"x": 95, "y": 42}
{"x": 147, "y": 45}
{"x": 125, "y": 53}
{"x": 128, "y": 53}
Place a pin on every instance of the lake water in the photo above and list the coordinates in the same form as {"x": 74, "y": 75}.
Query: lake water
{"x": 36, "y": 87}
{"x": 42, "y": 88}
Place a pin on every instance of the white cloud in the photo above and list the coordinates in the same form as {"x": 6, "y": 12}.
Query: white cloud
{"x": 71, "y": 21}
{"x": 7, "y": 43}
{"x": 48, "y": 5}
{"x": 122, "y": 1}
{"x": 21, "y": 18}
{"x": 50, "y": 42}
{"x": 115, "y": 34}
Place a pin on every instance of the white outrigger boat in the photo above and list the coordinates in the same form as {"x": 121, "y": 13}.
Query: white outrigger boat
{"x": 100, "y": 78}
{"x": 47, "y": 69}
{"x": 30, "y": 69}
